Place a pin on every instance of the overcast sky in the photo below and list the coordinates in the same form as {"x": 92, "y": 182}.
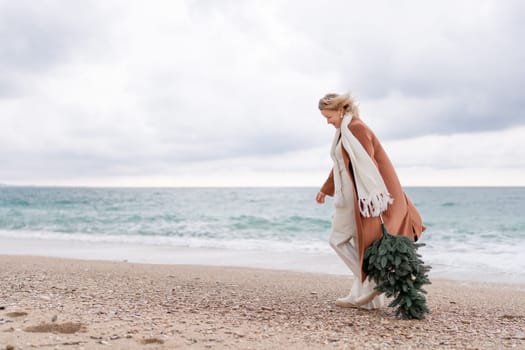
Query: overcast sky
{"x": 224, "y": 93}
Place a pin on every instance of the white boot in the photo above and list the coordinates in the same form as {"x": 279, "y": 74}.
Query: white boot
{"x": 351, "y": 301}
{"x": 363, "y": 295}
{"x": 347, "y": 301}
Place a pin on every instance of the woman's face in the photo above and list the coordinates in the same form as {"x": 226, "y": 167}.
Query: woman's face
{"x": 333, "y": 117}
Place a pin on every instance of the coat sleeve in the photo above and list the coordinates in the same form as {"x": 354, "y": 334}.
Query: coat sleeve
{"x": 329, "y": 186}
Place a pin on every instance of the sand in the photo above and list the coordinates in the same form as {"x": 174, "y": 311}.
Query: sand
{"x": 53, "y": 303}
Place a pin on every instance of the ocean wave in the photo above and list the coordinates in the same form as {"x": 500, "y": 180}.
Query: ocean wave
{"x": 15, "y": 203}
{"x": 477, "y": 229}
{"x": 303, "y": 245}
{"x": 288, "y": 223}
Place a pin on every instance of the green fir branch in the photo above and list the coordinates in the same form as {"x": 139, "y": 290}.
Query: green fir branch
{"x": 393, "y": 263}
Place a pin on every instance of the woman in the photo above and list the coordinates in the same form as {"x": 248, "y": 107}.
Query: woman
{"x": 365, "y": 187}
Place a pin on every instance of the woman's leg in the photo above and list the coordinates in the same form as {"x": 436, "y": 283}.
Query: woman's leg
{"x": 344, "y": 241}
{"x": 342, "y": 244}
{"x": 364, "y": 291}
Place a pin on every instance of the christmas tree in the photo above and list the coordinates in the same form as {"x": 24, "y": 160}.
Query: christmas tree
{"x": 393, "y": 263}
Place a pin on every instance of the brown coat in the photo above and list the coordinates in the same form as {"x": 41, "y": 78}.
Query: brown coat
{"x": 401, "y": 217}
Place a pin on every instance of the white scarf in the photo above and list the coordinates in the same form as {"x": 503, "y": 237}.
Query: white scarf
{"x": 373, "y": 196}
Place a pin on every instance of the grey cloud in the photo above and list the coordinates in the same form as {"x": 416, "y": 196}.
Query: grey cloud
{"x": 471, "y": 55}
{"x": 130, "y": 88}
{"x": 38, "y": 36}
{"x": 72, "y": 164}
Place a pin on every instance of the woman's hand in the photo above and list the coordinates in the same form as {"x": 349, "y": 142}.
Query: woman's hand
{"x": 320, "y": 197}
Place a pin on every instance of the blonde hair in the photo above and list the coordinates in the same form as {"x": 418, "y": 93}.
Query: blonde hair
{"x": 335, "y": 102}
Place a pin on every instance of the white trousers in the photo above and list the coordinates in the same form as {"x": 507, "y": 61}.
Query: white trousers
{"x": 344, "y": 237}
{"x": 343, "y": 244}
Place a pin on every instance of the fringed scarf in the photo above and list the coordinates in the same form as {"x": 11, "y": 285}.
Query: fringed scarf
{"x": 373, "y": 196}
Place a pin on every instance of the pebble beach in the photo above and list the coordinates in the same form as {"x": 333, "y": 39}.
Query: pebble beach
{"x": 56, "y": 303}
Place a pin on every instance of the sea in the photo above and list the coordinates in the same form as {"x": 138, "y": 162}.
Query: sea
{"x": 473, "y": 233}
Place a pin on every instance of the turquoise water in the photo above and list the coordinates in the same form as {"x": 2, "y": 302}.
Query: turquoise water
{"x": 469, "y": 230}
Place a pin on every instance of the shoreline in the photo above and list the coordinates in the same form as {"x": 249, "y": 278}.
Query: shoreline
{"x": 125, "y": 305}
{"x": 316, "y": 262}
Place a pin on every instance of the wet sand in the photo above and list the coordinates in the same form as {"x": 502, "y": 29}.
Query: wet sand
{"x": 54, "y": 303}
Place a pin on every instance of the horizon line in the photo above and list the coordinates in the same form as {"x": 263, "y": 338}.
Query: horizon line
{"x": 248, "y": 186}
